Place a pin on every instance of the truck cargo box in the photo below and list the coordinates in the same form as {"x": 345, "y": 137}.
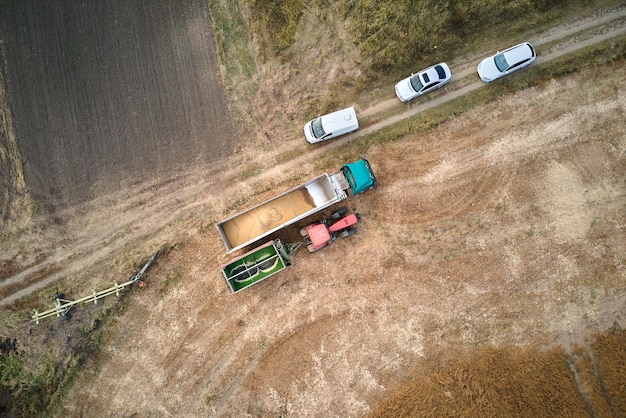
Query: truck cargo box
{"x": 285, "y": 209}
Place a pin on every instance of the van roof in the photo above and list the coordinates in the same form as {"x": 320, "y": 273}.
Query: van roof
{"x": 339, "y": 119}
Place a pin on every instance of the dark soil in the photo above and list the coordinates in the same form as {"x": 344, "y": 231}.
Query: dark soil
{"x": 106, "y": 95}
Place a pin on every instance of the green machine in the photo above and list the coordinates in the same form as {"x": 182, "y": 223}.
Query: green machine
{"x": 258, "y": 264}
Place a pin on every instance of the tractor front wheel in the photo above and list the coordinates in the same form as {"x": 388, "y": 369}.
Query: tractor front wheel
{"x": 339, "y": 213}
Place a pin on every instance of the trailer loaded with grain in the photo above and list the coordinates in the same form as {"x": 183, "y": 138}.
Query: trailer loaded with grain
{"x": 258, "y": 222}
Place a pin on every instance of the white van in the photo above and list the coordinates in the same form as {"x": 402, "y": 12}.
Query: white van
{"x": 332, "y": 125}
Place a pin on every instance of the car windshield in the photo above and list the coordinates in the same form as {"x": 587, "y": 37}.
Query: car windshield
{"x": 441, "y": 72}
{"x": 501, "y": 62}
{"x": 316, "y": 128}
{"x": 415, "y": 83}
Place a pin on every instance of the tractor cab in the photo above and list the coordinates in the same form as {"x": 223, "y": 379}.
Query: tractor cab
{"x": 319, "y": 234}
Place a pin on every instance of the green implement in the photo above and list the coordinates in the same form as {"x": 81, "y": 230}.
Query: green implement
{"x": 258, "y": 264}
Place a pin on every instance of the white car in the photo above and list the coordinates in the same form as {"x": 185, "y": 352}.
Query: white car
{"x": 332, "y": 125}
{"x": 507, "y": 61}
{"x": 423, "y": 82}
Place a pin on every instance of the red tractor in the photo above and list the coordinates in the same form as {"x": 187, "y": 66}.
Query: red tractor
{"x": 319, "y": 234}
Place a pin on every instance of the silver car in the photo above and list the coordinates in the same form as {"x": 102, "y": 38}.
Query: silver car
{"x": 423, "y": 82}
{"x": 507, "y": 61}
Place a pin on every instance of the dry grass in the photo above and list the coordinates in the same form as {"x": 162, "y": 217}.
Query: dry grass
{"x": 520, "y": 382}
{"x": 610, "y": 370}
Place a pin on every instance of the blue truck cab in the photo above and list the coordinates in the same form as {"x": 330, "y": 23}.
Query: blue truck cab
{"x": 359, "y": 175}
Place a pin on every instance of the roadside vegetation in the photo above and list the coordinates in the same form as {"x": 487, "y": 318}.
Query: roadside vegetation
{"x": 393, "y": 38}
{"x": 400, "y": 37}
{"x": 39, "y": 366}
{"x": 38, "y": 372}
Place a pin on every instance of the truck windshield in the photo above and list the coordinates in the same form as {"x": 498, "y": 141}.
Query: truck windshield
{"x": 349, "y": 177}
{"x": 316, "y": 128}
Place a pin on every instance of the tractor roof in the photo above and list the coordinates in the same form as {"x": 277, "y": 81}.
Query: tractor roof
{"x": 319, "y": 235}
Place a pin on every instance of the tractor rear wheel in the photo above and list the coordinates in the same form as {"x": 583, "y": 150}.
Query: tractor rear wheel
{"x": 348, "y": 232}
